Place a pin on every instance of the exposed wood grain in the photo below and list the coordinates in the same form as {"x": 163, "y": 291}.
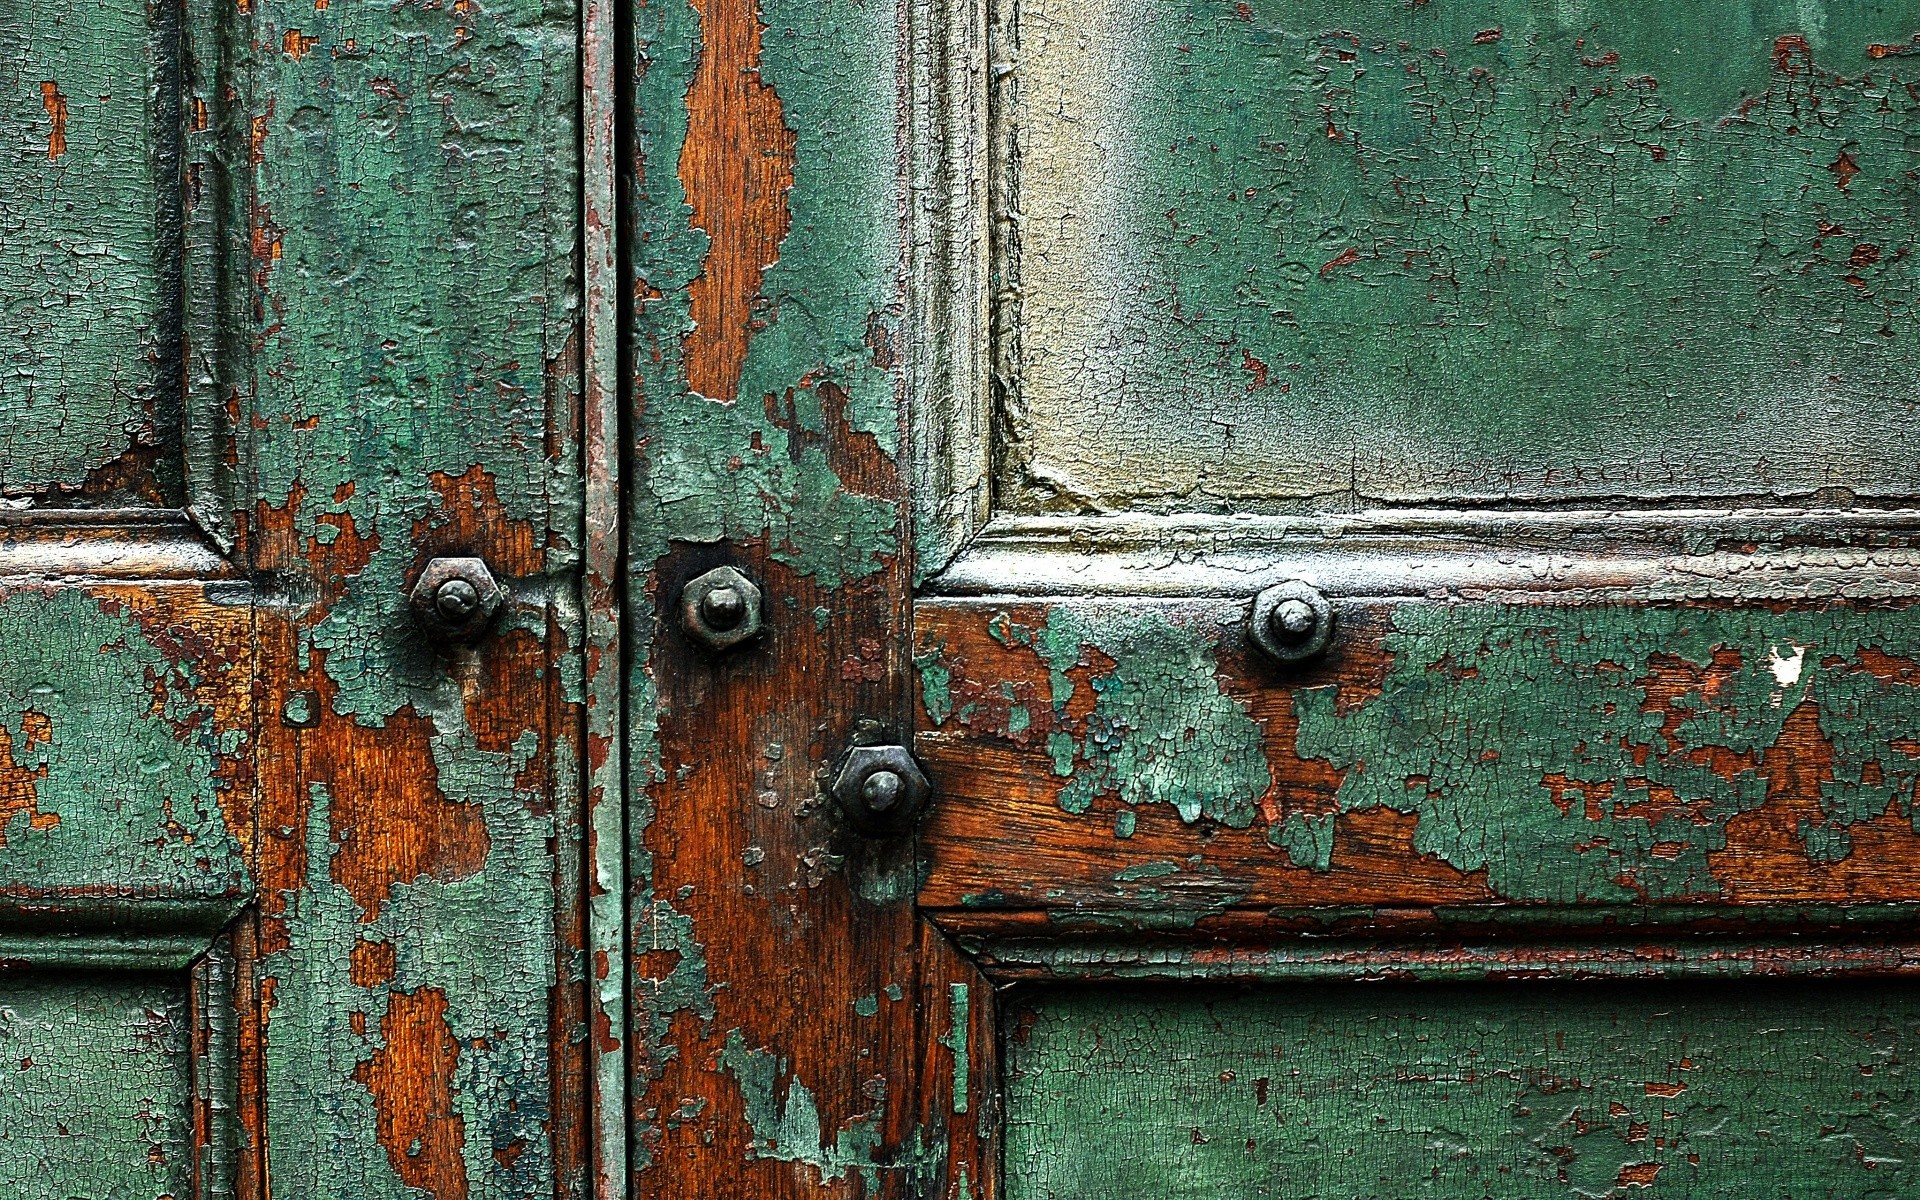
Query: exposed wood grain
{"x": 785, "y": 1012}
{"x": 413, "y": 230}
{"x": 736, "y": 166}
{"x": 411, "y": 1079}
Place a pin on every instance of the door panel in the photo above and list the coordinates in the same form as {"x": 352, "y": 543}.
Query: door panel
{"x": 1454, "y": 252}
{"x": 1446, "y": 1090}
{"x": 126, "y": 762}
{"x": 1558, "y": 360}
{"x": 1707, "y": 761}
{"x": 91, "y": 245}
{"x": 100, "y": 1099}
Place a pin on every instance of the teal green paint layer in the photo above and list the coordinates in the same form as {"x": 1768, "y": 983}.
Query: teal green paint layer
{"x": 759, "y": 468}
{"x": 110, "y": 758}
{"x": 1530, "y": 744}
{"x": 90, "y": 237}
{"x": 1161, "y": 730}
{"x": 95, "y": 1087}
{"x": 786, "y": 1122}
{"x": 1475, "y": 250}
{"x": 1516, "y": 1092}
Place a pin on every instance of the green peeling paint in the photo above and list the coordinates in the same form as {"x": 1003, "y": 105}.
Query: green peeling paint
{"x": 787, "y": 1128}
{"x": 757, "y": 468}
{"x": 1527, "y": 743}
{"x": 1485, "y": 250}
{"x": 90, "y": 238}
{"x": 1656, "y": 1092}
{"x": 1307, "y": 839}
{"x": 1161, "y": 730}
{"x": 959, "y": 1000}
{"x": 935, "y": 680}
{"x": 114, "y": 781}
{"x": 415, "y": 200}
{"x": 98, "y": 1101}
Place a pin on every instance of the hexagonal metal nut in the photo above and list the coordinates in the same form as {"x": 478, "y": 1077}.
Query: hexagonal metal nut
{"x": 1292, "y": 622}
{"x": 881, "y": 789}
{"x": 455, "y": 599}
{"x": 721, "y": 609}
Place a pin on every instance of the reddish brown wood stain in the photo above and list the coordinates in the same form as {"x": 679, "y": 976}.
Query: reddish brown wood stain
{"x": 19, "y": 786}
{"x": 56, "y": 106}
{"x": 411, "y": 1080}
{"x": 737, "y": 167}
{"x": 391, "y": 823}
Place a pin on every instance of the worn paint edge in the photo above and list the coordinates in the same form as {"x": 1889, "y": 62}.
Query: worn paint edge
{"x": 1696, "y": 552}
{"x": 950, "y": 403}
{"x": 216, "y": 1074}
{"x": 215, "y": 62}
{"x": 1705, "y": 958}
{"x": 603, "y": 757}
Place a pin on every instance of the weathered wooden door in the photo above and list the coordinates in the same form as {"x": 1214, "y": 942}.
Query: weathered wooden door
{"x": 1388, "y": 528}
{"x": 288, "y": 841}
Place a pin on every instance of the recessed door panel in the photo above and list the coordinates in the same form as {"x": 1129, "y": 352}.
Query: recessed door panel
{"x": 1281, "y": 255}
{"x": 1508, "y": 1091}
{"x": 92, "y": 250}
{"x": 98, "y": 1086}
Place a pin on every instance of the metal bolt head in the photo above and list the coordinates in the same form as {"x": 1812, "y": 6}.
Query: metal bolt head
{"x": 455, "y": 599}
{"x": 1291, "y": 622}
{"x": 721, "y": 608}
{"x": 881, "y": 789}
{"x": 1294, "y": 620}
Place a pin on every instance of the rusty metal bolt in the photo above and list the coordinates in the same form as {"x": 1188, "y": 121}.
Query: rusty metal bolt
{"x": 1291, "y": 622}
{"x": 721, "y": 609}
{"x": 455, "y": 599}
{"x": 881, "y": 789}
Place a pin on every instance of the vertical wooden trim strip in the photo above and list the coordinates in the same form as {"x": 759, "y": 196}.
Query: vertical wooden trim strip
{"x": 951, "y": 404}
{"x": 601, "y": 585}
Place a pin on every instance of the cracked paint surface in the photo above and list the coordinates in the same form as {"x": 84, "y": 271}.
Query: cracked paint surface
{"x": 1601, "y": 755}
{"x": 90, "y": 233}
{"x": 413, "y": 231}
{"x": 1613, "y": 1091}
{"x": 1458, "y": 251}
{"x": 1593, "y": 755}
{"x": 96, "y": 1101}
{"x": 774, "y": 955}
{"x": 128, "y": 721}
{"x": 1158, "y": 729}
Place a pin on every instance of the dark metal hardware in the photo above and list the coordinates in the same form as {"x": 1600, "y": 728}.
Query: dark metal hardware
{"x": 881, "y": 789}
{"x": 721, "y": 608}
{"x": 455, "y": 599}
{"x": 1291, "y": 622}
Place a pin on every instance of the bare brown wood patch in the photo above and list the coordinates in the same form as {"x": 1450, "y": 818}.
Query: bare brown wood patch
{"x": 737, "y": 167}
{"x": 411, "y": 1080}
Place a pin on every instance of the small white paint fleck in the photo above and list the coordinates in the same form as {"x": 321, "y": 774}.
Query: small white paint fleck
{"x": 1786, "y": 669}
